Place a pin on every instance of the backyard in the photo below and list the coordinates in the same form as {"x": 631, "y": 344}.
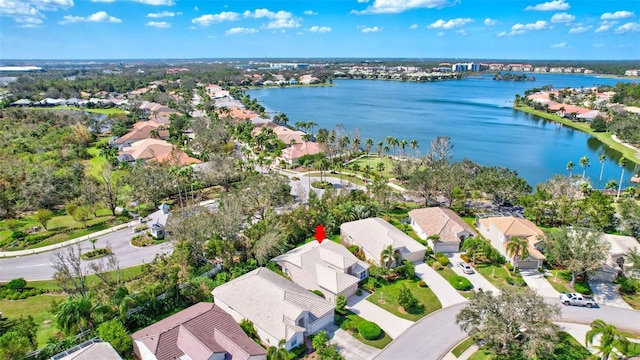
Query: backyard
{"x": 386, "y": 296}
{"x": 38, "y": 307}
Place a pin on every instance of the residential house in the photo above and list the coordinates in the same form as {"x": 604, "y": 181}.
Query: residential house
{"x": 450, "y": 229}
{"x": 374, "y": 235}
{"x": 141, "y": 130}
{"x": 617, "y": 263}
{"x": 327, "y": 266}
{"x": 157, "y": 150}
{"x": 89, "y": 350}
{"x": 202, "y": 331}
{"x": 289, "y": 136}
{"x": 308, "y": 79}
{"x": 278, "y": 308}
{"x": 500, "y": 229}
{"x": 291, "y": 154}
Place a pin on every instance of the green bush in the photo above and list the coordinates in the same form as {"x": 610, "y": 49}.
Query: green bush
{"x": 443, "y": 259}
{"x": 33, "y": 239}
{"x": 17, "y": 235}
{"x": 359, "y": 292}
{"x": 628, "y": 286}
{"x": 436, "y": 265}
{"x": 422, "y": 284}
{"x": 369, "y": 330}
{"x": 319, "y": 293}
{"x": 96, "y": 253}
{"x": 460, "y": 283}
{"x": 465, "y": 258}
{"x": 299, "y": 351}
{"x": 322, "y": 185}
{"x": 17, "y": 284}
{"x": 582, "y": 287}
{"x": 515, "y": 281}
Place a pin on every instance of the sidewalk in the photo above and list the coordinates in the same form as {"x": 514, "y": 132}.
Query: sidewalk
{"x": 8, "y": 254}
{"x": 391, "y": 324}
{"x": 441, "y": 288}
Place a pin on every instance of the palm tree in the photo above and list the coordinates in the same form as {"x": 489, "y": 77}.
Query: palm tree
{"x": 388, "y": 256}
{"x": 379, "y": 145}
{"x": 413, "y": 144}
{"x": 517, "y": 248}
{"x": 610, "y": 339}
{"x": 622, "y": 162}
{"x": 278, "y": 353}
{"x": 602, "y": 158}
{"x": 474, "y": 246}
{"x": 570, "y": 166}
{"x": 74, "y": 314}
{"x": 355, "y": 143}
{"x": 403, "y": 144}
{"x": 368, "y": 144}
{"x": 380, "y": 166}
{"x": 584, "y": 163}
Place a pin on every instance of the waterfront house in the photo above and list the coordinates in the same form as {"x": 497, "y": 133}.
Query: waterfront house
{"x": 291, "y": 154}
{"x": 442, "y": 223}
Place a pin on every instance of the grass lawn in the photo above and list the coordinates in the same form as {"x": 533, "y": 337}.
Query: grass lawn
{"x": 427, "y": 301}
{"x": 447, "y": 273}
{"x": 346, "y": 177}
{"x": 36, "y": 306}
{"x": 462, "y": 347}
{"x": 497, "y": 275}
{"x": 557, "y": 282}
{"x": 633, "y": 300}
{"x": 561, "y": 281}
{"x": 373, "y": 161}
{"x": 567, "y": 348}
{"x": 350, "y": 318}
{"x": 125, "y": 274}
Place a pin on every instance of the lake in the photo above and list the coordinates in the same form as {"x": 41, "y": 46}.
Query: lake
{"x": 475, "y": 113}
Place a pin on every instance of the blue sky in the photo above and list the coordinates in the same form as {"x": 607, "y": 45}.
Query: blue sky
{"x": 465, "y": 29}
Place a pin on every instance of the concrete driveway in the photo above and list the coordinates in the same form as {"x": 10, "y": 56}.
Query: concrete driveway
{"x": 391, "y": 324}
{"x": 444, "y": 291}
{"x": 606, "y": 293}
{"x": 348, "y": 346}
{"x": 536, "y": 281}
{"x": 478, "y": 281}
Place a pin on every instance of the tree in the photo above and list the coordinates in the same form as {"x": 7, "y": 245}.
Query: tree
{"x": 622, "y": 163}
{"x": 388, "y": 256}
{"x": 247, "y": 326}
{"x": 584, "y": 163}
{"x": 581, "y": 251}
{"x": 43, "y": 216}
{"x": 14, "y": 346}
{"x": 406, "y": 298}
{"x": 516, "y": 323}
{"x": 82, "y": 214}
{"x": 475, "y": 246}
{"x": 114, "y": 332}
{"x": 74, "y": 315}
{"x": 610, "y": 339}
{"x": 69, "y": 273}
{"x": 341, "y": 303}
{"x": 279, "y": 352}
{"x": 320, "y": 340}
{"x": 17, "y": 284}
{"x": 517, "y": 248}
{"x": 570, "y": 166}
{"x": 602, "y": 159}
{"x": 111, "y": 188}
{"x": 629, "y": 211}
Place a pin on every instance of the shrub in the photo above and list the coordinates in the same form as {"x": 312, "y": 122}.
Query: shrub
{"x": 319, "y": 293}
{"x": 429, "y": 251}
{"x": 141, "y": 228}
{"x": 460, "y": 283}
{"x": 406, "y": 298}
{"x": 369, "y": 330}
{"x": 299, "y": 350}
{"x": 443, "y": 259}
{"x": 582, "y": 287}
{"x": 17, "y": 235}
{"x": 465, "y": 258}
{"x": 628, "y": 286}
{"x": 358, "y": 292}
{"x": 436, "y": 265}
{"x": 33, "y": 239}
{"x": 17, "y": 284}
{"x": 341, "y": 303}
{"x": 96, "y": 253}
{"x": 322, "y": 185}
{"x": 422, "y": 284}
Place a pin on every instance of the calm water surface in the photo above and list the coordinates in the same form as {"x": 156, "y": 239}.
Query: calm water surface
{"x": 475, "y": 113}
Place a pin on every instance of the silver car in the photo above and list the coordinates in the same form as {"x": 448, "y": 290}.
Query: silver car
{"x": 465, "y": 267}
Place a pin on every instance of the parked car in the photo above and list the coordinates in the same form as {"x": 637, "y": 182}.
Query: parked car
{"x": 577, "y": 299}
{"x": 465, "y": 267}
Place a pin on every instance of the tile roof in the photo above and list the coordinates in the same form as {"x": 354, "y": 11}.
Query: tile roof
{"x": 326, "y": 264}
{"x": 281, "y": 301}
{"x": 514, "y": 226}
{"x": 442, "y": 222}
{"x": 198, "y": 331}
{"x": 95, "y": 351}
{"x": 142, "y": 132}
{"x": 299, "y": 149}
{"x": 375, "y": 234}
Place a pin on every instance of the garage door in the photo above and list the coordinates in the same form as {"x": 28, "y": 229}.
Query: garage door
{"x": 446, "y": 247}
{"x": 528, "y": 264}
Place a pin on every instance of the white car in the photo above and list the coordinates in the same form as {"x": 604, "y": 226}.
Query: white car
{"x": 465, "y": 267}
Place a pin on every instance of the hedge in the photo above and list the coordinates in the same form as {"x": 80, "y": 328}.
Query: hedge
{"x": 443, "y": 259}
{"x": 369, "y": 330}
{"x": 460, "y": 283}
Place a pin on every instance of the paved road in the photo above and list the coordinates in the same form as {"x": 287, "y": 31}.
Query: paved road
{"x": 38, "y": 266}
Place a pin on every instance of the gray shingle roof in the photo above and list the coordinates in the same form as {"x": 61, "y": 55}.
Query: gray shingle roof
{"x": 375, "y": 234}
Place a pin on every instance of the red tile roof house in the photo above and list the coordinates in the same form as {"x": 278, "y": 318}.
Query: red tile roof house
{"x": 296, "y": 151}
{"x": 141, "y": 130}
{"x": 500, "y": 229}
{"x": 202, "y": 331}
{"x": 278, "y": 308}
{"x": 444, "y": 223}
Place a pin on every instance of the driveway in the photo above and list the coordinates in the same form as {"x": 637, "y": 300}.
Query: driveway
{"x": 348, "y": 346}
{"x": 391, "y": 324}
{"x": 477, "y": 280}
{"x": 444, "y": 291}
{"x": 606, "y": 293}
{"x": 536, "y": 281}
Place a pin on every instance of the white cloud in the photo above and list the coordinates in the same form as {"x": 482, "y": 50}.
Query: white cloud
{"x": 100, "y": 16}
{"x": 617, "y": 15}
{"x": 30, "y": 12}
{"x": 398, "y": 6}
{"x": 371, "y": 29}
{"x": 502, "y": 33}
{"x": 103, "y": 1}
{"x": 550, "y": 6}
{"x": 579, "y": 29}
{"x": 441, "y": 33}
{"x": 310, "y": 12}
{"x": 562, "y": 45}
{"x": 278, "y": 20}
{"x": 451, "y": 24}
{"x": 320, "y": 29}
{"x": 157, "y": 2}
{"x": 241, "y": 30}
{"x": 161, "y": 14}
{"x": 628, "y": 27}
{"x": 562, "y": 18}
{"x": 363, "y": 1}
{"x": 490, "y": 22}
{"x": 605, "y": 26}
{"x": 413, "y": 27}
{"x": 462, "y": 32}
{"x": 518, "y": 29}
{"x": 159, "y": 24}
{"x": 208, "y": 19}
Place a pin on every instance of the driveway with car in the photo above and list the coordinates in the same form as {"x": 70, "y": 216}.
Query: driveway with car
{"x": 478, "y": 281}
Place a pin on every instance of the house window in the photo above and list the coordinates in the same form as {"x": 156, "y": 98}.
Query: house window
{"x": 294, "y": 341}
{"x": 363, "y": 274}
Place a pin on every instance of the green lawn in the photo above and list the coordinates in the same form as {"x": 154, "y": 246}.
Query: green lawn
{"x": 350, "y": 318}
{"x": 558, "y": 283}
{"x": 561, "y": 281}
{"x": 497, "y": 275}
{"x": 462, "y": 347}
{"x": 567, "y": 348}
{"x": 373, "y": 161}
{"x": 388, "y": 293}
{"x": 447, "y": 273}
{"x": 633, "y": 300}
{"x": 346, "y": 177}
{"x": 36, "y": 306}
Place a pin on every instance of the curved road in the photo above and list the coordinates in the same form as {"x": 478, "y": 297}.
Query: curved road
{"x": 38, "y": 266}
{"x": 434, "y": 336}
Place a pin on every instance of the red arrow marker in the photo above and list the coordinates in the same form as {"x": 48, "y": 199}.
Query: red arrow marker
{"x": 320, "y": 235}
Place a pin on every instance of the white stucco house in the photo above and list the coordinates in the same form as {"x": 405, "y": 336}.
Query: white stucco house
{"x": 373, "y": 235}
{"x": 500, "y": 229}
{"x": 617, "y": 263}
{"x": 328, "y": 267}
{"x": 278, "y": 308}
{"x": 450, "y": 229}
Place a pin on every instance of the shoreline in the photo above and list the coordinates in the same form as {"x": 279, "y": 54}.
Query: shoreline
{"x": 607, "y": 138}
